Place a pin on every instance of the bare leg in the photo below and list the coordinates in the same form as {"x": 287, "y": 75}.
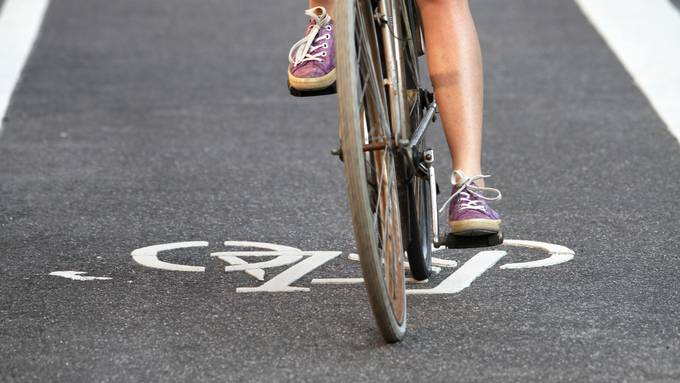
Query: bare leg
{"x": 328, "y": 4}
{"x": 455, "y": 63}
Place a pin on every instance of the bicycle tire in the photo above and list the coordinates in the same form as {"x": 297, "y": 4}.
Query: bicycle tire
{"x": 416, "y": 212}
{"x": 380, "y": 246}
{"x": 419, "y": 249}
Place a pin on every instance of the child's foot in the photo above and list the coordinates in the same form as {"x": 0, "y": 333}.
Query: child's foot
{"x": 312, "y": 59}
{"x": 469, "y": 213}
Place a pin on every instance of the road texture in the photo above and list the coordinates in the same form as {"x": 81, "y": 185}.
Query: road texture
{"x": 148, "y": 122}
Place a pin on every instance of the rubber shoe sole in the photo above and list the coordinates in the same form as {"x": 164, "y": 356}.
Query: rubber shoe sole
{"x": 313, "y": 83}
{"x": 473, "y": 227}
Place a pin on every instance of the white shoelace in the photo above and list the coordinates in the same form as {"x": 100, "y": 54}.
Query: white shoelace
{"x": 466, "y": 189}
{"x": 303, "y": 50}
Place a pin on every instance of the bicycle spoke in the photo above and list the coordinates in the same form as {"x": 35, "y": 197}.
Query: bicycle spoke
{"x": 363, "y": 91}
{"x": 376, "y": 85}
{"x": 411, "y": 60}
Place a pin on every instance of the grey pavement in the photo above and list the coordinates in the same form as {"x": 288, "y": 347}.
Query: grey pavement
{"x": 149, "y": 122}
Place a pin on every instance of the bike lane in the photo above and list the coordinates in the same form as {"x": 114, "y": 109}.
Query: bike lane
{"x": 158, "y": 122}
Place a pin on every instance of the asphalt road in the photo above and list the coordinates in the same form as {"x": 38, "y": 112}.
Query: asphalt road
{"x": 149, "y": 122}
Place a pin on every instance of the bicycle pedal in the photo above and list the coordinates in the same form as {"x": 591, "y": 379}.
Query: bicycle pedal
{"x": 457, "y": 241}
{"x": 311, "y": 93}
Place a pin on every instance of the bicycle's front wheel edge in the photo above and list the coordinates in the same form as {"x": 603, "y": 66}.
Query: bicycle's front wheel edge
{"x": 370, "y": 176}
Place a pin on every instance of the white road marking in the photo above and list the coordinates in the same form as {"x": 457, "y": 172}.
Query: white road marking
{"x": 239, "y": 264}
{"x": 286, "y": 255}
{"x": 282, "y": 282}
{"x": 148, "y": 256}
{"x": 352, "y": 281}
{"x": 77, "y": 275}
{"x": 558, "y": 254}
{"x": 256, "y": 273}
{"x": 260, "y": 245}
{"x": 337, "y": 281}
{"x": 463, "y": 277}
{"x": 645, "y": 35}
{"x": 437, "y": 263}
{"x": 20, "y": 22}
{"x": 443, "y": 262}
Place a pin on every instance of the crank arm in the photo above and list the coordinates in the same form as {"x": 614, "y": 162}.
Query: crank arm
{"x": 423, "y": 125}
{"x": 433, "y": 207}
{"x": 428, "y": 160}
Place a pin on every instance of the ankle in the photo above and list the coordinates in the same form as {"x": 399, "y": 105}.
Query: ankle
{"x": 467, "y": 172}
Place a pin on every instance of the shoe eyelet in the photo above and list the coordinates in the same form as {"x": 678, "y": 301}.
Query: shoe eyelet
{"x": 325, "y": 45}
{"x": 323, "y": 54}
{"x": 327, "y": 36}
{"x": 329, "y": 28}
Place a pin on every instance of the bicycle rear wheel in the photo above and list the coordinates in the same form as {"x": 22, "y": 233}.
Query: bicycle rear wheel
{"x": 369, "y": 153}
{"x": 416, "y": 209}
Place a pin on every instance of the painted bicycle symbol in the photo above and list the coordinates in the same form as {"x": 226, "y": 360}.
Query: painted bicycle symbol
{"x": 268, "y": 255}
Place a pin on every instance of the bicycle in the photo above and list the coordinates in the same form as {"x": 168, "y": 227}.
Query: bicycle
{"x": 383, "y": 116}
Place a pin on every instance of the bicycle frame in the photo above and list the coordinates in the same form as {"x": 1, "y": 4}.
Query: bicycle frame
{"x": 421, "y": 163}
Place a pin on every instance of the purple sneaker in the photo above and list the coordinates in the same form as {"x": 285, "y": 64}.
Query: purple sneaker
{"x": 312, "y": 59}
{"x": 469, "y": 214}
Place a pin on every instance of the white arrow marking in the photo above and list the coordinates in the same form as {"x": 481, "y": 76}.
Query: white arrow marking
{"x": 148, "y": 256}
{"x": 558, "y": 254}
{"x": 77, "y": 276}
